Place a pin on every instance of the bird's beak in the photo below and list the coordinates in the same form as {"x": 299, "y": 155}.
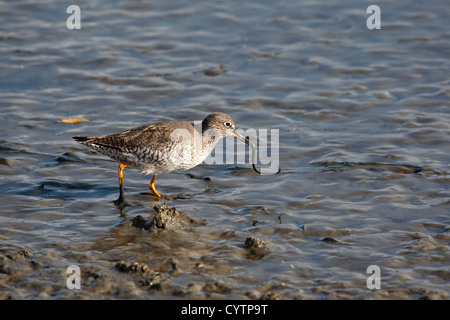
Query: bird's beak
{"x": 241, "y": 137}
{"x": 254, "y": 151}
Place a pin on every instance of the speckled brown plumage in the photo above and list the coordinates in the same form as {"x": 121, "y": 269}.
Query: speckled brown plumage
{"x": 164, "y": 146}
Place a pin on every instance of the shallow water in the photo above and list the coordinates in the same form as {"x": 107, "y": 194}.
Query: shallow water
{"x": 364, "y": 125}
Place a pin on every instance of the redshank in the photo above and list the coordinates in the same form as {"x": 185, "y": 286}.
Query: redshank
{"x": 163, "y": 147}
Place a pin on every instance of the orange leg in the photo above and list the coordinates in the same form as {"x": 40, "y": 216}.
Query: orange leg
{"x": 120, "y": 171}
{"x": 152, "y": 187}
{"x": 121, "y": 167}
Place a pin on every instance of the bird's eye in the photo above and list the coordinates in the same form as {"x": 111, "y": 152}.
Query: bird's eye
{"x": 228, "y": 124}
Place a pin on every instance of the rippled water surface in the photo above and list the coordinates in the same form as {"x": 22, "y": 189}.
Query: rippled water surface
{"x": 364, "y": 140}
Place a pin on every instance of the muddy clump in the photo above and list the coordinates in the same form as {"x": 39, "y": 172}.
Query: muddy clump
{"x": 132, "y": 267}
{"x": 257, "y": 249}
{"x": 166, "y": 218}
{"x": 16, "y": 262}
{"x": 153, "y": 278}
{"x": 270, "y": 295}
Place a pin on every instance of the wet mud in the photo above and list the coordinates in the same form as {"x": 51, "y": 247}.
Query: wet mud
{"x": 132, "y": 277}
